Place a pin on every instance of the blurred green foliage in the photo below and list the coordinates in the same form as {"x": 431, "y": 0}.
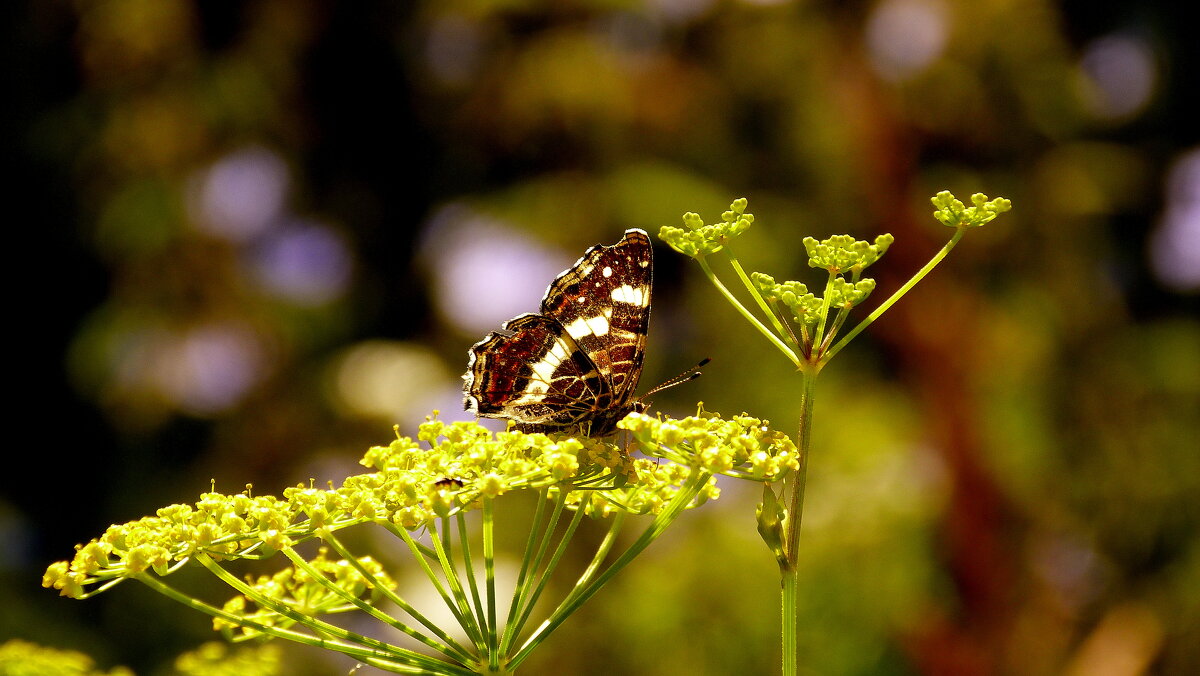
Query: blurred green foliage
{"x": 1004, "y": 477}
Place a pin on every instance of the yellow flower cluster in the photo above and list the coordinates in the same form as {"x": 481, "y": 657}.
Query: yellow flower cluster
{"x": 449, "y": 468}
{"x": 742, "y": 447}
{"x": 697, "y": 239}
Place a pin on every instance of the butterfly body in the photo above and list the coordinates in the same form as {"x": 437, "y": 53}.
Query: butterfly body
{"x": 575, "y": 364}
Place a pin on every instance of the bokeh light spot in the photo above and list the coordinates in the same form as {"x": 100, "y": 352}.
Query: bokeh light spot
{"x": 1175, "y": 244}
{"x": 210, "y": 368}
{"x": 485, "y": 272}
{"x": 304, "y": 262}
{"x": 241, "y": 195}
{"x": 395, "y": 381}
{"x": 905, "y": 36}
{"x": 1118, "y": 75}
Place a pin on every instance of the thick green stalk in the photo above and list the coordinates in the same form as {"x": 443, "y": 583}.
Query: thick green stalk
{"x": 790, "y": 597}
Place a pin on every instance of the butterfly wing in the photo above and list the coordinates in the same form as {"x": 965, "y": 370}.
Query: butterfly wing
{"x": 603, "y": 303}
{"x": 534, "y": 373}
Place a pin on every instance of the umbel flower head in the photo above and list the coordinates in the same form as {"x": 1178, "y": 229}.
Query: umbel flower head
{"x": 953, "y": 213}
{"x": 698, "y": 239}
{"x": 419, "y": 491}
{"x": 447, "y": 470}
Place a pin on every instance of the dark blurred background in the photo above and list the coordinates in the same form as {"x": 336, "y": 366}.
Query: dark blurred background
{"x": 257, "y": 234}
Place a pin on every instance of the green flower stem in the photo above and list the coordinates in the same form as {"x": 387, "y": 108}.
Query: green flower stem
{"x": 883, "y": 307}
{"x": 422, "y": 549}
{"x": 791, "y": 543}
{"x": 762, "y": 304}
{"x": 471, "y": 623}
{"x": 437, "y": 583}
{"x": 468, "y": 568}
{"x": 666, "y": 453}
{"x": 300, "y": 563}
{"x": 687, "y": 493}
{"x": 489, "y": 567}
{"x": 797, "y": 342}
{"x": 448, "y": 646}
{"x": 102, "y": 588}
{"x": 317, "y": 626}
{"x": 836, "y": 326}
{"x": 820, "y": 332}
{"x": 375, "y": 658}
{"x": 372, "y": 651}
{"x": 544, "y": 577}
{"x": 602, "y": 551}
{"x": 531, "y": 561}
{"x": 791, "y": 626}
{"x": 564, "y": 608}
{"x": 546, "y": 627}
{"x": 774, "y": 339}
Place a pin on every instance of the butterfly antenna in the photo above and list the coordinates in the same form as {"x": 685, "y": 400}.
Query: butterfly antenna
{"x": 690, "y": 374}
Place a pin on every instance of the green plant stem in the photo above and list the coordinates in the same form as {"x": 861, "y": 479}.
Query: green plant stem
{"x": 795, "y": 513}
{"x": 883, "y": 307}
{"x": 529, "y": 565}
{"x": 762, "y": 328}
{"x": 301, "y": 564}
{"x": 687, "y": 493}
{"x": 375, "y": 652}
{"x": 468, "y": 567}
{"x": 449, "y": 646}
{"x": 791, "y": 627}
{"x": 834, "y": 327}
{"x": 820, "y": 331}
{"x": 489, "y": 566}
{"x": 780, "y": 330}
{"x": 474, "y": 625}
{"x": 543, "y": 578}
{"x": 461, "y": 615}
{"x": 376, "y": 658}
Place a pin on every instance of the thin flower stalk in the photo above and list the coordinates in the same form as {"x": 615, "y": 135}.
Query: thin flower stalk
{"x": 749, "y": 316}
{"x": 444, "y": 643}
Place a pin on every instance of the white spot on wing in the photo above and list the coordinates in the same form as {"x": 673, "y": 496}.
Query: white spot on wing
{"x": 599, "y": 326}
{"x": 630, "y": 295}
{"x": 543, "y": 372}
{"x": 588, "y": 326}
{"x": 607, "y": 272}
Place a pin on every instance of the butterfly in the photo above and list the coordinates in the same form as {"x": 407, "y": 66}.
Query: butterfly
{"x": 575, "y": 364}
